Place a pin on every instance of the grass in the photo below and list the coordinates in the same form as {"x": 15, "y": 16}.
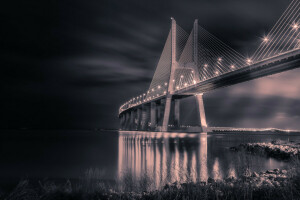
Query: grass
{"x": 92, "y": 187}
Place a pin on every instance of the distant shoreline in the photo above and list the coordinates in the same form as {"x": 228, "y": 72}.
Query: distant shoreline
{"x": 252, "y": 130}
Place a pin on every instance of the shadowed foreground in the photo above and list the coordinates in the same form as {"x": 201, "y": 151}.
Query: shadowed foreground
{"x": 272, "y": 184}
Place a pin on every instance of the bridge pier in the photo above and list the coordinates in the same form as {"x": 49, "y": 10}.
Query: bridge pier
{"x": 138, "y": 118}
{"x": 126, "y": 121}
{"x": 166, "y": 118}
{"x": 145, "y": 117}
{"x": 153, "y": 116}
{"x": 123, "y": 121}
{"x": 177, "y": 112}
{"x": 131, "y": 120}
{"x": 201, "y": 112}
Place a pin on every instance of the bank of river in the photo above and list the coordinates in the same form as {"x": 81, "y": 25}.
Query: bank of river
{"x": 282, "y": 150}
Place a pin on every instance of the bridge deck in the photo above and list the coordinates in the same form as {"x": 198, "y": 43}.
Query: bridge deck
{"x": 266, "y": 67}
{"x": 273, "y": 65}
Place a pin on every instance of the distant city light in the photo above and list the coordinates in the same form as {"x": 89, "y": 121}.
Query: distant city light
{"x": 185, "y": 84}
{"x": 181, "y": 76}
{"x": 166, "y": 83}
{"x": 216, "y": 72}
{"x": 205, "y": 65}
{"x": 158, "y": 87}
{"x": 232, "y": 66}
{"x": 194, "y": 82}
{"x": 177, "y": 87}
{"x": 219, "y": 59}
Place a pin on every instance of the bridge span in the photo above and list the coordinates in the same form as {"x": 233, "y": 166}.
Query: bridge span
{"x": 196, "y": 63}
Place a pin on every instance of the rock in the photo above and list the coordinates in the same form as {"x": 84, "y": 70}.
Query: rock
{"x": 279, "y": 179}
{"x": 255, "y": 174}
{"x": 283, "y": 171}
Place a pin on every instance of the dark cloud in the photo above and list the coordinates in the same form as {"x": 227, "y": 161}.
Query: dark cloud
{"x": 70, "y": 64}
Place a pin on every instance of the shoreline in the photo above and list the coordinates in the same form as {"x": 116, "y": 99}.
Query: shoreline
{"x": 276, "y": 149}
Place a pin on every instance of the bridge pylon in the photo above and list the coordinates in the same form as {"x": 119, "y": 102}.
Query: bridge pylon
{"x": 167, "y": 111}
{"x": 177, "y": 66}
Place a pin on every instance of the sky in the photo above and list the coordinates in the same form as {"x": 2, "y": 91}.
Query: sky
{"x": 71, "y": 64}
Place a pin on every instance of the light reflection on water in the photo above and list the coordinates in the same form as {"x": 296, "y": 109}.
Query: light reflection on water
{"x": 181, "y": 157}
{"x": 107, "y": 155}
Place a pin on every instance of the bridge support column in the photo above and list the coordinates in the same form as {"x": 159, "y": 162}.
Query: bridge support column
{"x": 145, "y": 117}
{"x": 177, "y": 112}
{"x": 126, "y": 125}
{"x": 153, "y": 116}
{"x": 138, "y": 120}
{"x": 131, "y": 122}
{"x": 201, "y": 112}
{"x": 167, "y": 114}
{"x": 122, "y": 117}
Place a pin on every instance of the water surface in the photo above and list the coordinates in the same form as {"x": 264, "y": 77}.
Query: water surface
{"x": 162, "y": 157}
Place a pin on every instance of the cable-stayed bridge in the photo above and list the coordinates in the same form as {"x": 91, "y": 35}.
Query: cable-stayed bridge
{"x": 196, "y": 63}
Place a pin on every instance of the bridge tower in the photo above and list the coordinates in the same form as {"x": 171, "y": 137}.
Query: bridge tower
{"x": 174, "y": 66}
{"x": 172, "y": 73}
{"x": 199, "y": 97}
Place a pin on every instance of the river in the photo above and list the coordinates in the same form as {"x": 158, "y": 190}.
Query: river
{"x": 112, "y": 155}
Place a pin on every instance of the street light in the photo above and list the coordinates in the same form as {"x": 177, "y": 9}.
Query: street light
{"x": 266, "y": 39}
{"x": 249, "y": 61}
{"x": 295, "y": 26}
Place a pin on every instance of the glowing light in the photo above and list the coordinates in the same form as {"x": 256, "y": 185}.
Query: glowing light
{"x": 295, "y": 26}
{"x": 194, "y": 82}
{"x": 205, "y": 65}
{"x": 165, "y": 92}
{"x": 216, "y": 72}
{"x": 192, "y": 71}
{"x": 158, "y": 87}
{"x": 181, "y": 76}
{"x": 219, "y": 59}
{"x": 152, "y": 89}
{"x": 249, "y": 61}
{"x": 177, "y": 87}
{"x": 185, "y": 84}
{"x": 266, "y": 39}
{"x": 166, "y": 83}
{"x": 173, "y": 80}
{"x": 232, "y": 66}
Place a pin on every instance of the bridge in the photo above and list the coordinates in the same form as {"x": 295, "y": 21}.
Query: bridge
{"x": 196, "y": 63}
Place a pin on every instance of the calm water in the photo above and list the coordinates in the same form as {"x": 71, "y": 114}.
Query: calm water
{"x": 164, "y": 157}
